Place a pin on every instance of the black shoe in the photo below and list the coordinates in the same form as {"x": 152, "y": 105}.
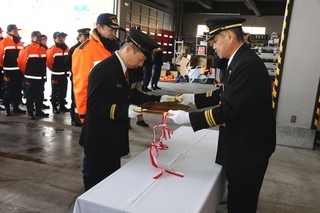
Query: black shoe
{"x": 75, "y": 123}
{"x": 156, "y": 87}
{"x": 146, "y": 89}
{"x": 41, "y": 114}
{"x": 18, "y": 110}
{"x": 45, "y": 106}
{"x": 142, "y": 123}
{"x": 31, "y": 115}
{"x": 7, "y": 112}
{"x": 64, "y": 109}
{"x": 55, "y": 111}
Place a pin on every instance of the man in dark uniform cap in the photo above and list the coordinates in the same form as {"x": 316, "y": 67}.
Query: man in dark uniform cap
{"x": 83, "y": 35}
{"x": 247, "y": 132}
{"x": 112, "y": 98}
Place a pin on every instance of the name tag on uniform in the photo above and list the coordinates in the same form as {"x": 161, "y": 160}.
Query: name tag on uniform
{"x": 133, "y": 85}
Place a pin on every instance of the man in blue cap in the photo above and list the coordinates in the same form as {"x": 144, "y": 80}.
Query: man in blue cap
{"x": 243, "y": 110}
{"x": 100, "y": 45}
{"x": 112, "y": 98}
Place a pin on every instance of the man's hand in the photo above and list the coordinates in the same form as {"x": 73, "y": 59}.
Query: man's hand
{"x": 167, "y": 98}
{"x": 131, "y": 112}
{"x": 179, "y": 116}
{"x": 187, "y": 99}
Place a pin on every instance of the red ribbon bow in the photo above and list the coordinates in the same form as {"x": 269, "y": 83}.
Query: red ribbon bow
{"x": 159, "y": 145}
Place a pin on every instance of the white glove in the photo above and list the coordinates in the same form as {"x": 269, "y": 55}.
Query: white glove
{"x": 179, "y": 116}
{"x": 187, "y": 99}
{"x": 167, "y": 98}
{"x": 131, "y": 112}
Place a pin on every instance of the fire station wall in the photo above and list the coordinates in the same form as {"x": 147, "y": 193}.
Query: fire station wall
{"x": 300, "y": 76}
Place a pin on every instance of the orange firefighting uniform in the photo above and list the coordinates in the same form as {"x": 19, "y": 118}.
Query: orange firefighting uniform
{"x": 59, "y": 74}
{"x": 32, "y": 62}
{"x": 84, "y": 58}
{"x": 9, "y": 51}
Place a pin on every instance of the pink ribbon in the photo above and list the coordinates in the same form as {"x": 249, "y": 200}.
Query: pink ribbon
{"x": 159, "y": 145}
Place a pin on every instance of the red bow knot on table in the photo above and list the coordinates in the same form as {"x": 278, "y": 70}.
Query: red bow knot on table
{"x": 166, "y": 133}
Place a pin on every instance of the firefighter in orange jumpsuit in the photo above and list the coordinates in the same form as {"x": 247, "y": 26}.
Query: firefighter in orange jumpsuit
{"x": 12, "y": 75}
{"x": 32, "y": 62}
{"x": 100, "y": 45}
{"x": 56, "y": 56}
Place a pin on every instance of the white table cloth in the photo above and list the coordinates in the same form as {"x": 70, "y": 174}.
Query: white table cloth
{"x": 132, "y": 188}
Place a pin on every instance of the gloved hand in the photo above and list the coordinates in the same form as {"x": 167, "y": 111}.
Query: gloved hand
{"x": 131, "y": 112}
{"x": 187, "y": 99}
{"x": 167, "y": 98}
{"x": 179, "y": 116}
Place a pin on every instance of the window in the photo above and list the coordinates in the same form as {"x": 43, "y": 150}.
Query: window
{"x": 201, "y": 29}
{"x": 254, "y": 30}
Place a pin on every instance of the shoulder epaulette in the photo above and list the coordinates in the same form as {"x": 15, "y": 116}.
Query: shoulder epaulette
{"x": 84, "y": 44}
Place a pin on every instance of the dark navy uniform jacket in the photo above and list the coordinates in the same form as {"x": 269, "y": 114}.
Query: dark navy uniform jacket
{"x": 105, "y": 130}
{"x": 247, "y": 133}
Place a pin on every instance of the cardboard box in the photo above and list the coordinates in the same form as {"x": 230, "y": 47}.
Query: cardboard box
{"x": 184, "y": 66}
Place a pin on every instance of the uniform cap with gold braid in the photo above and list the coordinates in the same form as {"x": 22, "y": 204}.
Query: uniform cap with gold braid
{"x": 143, "y": 42}
{"x": 216, "y": 25}
{"x": 84, "y": 31}
{"x": 109, "y": 20}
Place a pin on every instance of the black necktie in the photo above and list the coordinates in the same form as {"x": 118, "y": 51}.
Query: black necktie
{"x": 126, "y": 74}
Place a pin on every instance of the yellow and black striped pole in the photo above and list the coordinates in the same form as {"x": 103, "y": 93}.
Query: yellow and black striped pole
{"x": 282, "y": 49}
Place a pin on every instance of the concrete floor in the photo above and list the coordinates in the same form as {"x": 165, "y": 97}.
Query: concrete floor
{"x": 41, "y": 160}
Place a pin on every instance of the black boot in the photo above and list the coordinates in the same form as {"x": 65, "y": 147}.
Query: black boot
{"x": 144, "y": 89}
{"x": 40, "y": 113}
{"x": 75, "y": 120}
{"x": 16, "y": 109}
{"x": 45, "y": 106}
{"x": 142, "y": 123}
{"x": 55, "y": 109}
{"x": 7, "y": 111}
{"x": 156, "y": 86}
{"x": 31, "y": 115}
{"x": 64, "y": 109}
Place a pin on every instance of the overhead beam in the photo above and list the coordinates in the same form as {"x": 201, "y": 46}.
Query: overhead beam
{"x": 252, "y": 6}
{"x": 205, "y": 3}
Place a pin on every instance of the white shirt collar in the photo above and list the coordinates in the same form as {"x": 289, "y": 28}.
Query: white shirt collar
{"x": 124, "y": 68}
{"x": 230, "y": 59}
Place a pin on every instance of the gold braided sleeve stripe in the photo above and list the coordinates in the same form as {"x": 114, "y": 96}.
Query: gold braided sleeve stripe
{"x": 209, "y": 118}
{"x": 209, "y": 94}
{"x": 112, "y": 111}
